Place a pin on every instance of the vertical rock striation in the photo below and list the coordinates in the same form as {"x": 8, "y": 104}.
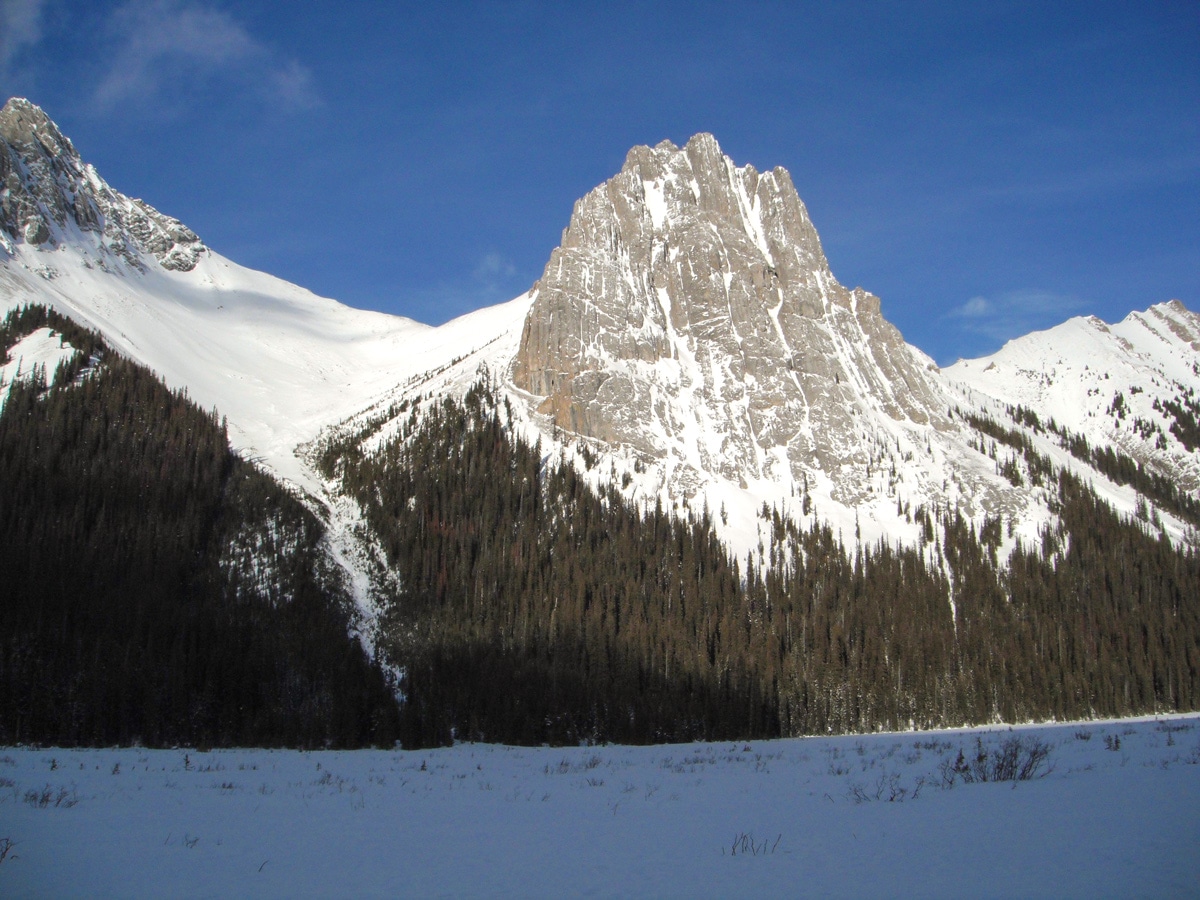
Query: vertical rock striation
{"x": 690, "y": 312}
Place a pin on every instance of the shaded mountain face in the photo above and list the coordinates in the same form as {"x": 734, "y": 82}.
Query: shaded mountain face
{"x": 690, "y": 312}
{"x": 49, "y": 194}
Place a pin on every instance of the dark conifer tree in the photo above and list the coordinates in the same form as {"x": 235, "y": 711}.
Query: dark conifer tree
{"x": 129, "y": 611}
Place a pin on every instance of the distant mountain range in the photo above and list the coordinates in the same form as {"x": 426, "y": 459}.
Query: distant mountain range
{"x": 686, "y": 350}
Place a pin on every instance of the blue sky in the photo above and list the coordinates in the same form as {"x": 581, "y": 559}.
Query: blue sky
{"x": 986, "y": 169}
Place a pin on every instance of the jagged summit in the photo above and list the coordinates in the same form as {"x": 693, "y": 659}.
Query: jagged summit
{"x": 23, "y": 124}
{"x": 49, "y": 194}
{"x": 690, "y": 313}
{"x": 709, "y": 175}
{"x": 690, "y": 320}
{"x": 688, "y": 334}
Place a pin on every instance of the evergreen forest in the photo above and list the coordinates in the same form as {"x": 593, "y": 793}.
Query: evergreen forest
{"x": 535, "y": 609}
{"x": 155, "y": 588}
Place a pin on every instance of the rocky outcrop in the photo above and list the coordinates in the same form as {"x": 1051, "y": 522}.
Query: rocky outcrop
{"x": 46, "y": 191}
{"x": 690, "y": 312}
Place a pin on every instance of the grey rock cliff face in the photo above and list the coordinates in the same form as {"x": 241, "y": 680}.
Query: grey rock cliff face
{"x": 46, "y": 190}
{"x": 690, "y": 312}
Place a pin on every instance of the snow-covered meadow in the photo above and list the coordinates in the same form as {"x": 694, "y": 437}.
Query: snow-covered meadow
{"x": 1113, "y": 809}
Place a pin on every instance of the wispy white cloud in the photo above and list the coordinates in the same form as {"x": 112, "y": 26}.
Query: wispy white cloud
{"x": 20, "y": 29}
{"x": 1011, "y": 314}
{"x": 975, "y": 308}
{"x": 292, "y": 84}
{"x": 494, "y": 266}
{"x": 1157, "y": 168}
{"x": 168, "y": 47}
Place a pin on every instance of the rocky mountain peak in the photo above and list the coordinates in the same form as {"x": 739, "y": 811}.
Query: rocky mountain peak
{"x": 26, "y": 126}
{"x": 690, "y": 313}
{"x": 48, "y": 195}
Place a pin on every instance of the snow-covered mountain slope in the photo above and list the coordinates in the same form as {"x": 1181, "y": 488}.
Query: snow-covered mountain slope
{"x": 1134, "y": 386}
{"x": 688, "y": 332}
{"x": 42, "y": 351}
{"x": 278, "y": 361}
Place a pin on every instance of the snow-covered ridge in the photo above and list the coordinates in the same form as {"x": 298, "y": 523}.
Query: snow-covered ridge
{"x": 1116, "y": 385}
{"x": 50, "y": 196}
{"x": 688, "y": 330}
{"x": 278, "y": 361}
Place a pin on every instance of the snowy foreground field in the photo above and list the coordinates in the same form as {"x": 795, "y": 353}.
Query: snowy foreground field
{"x": 1111, "y": 809}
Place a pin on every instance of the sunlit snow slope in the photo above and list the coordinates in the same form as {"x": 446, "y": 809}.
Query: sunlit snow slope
{"x": 688, "y": 331}
{"x": 278, "y": 361}
{"x": 1127, "y": 385}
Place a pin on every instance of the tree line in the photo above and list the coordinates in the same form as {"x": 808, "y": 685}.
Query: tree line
{"x": 158, "y": 589}
{"x": 535, "y": 609}
{"x": 130, "y": 613}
